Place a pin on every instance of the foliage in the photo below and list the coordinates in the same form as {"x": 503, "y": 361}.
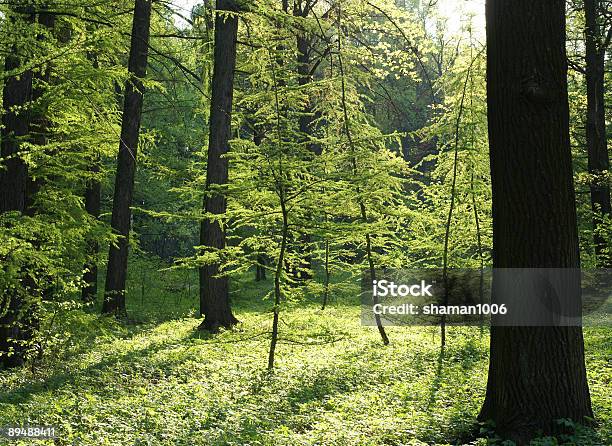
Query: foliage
{"x": 159, "y": 383}
{"x": 374, "y": 150}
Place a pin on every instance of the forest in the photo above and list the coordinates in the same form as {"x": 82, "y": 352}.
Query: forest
{"x": 196, "y": 197}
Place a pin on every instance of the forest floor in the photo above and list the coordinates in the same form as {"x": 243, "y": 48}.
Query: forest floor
{"x": 157, "y": 381}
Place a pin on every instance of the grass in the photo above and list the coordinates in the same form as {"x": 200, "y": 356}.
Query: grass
{"x": 159, "y": 382}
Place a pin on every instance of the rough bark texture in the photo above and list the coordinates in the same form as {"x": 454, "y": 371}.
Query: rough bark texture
{"x": 114, "y": 301}
{"x": 536, "y": 374}
{"x": 597, "y": 149}
{"x": 214, "y": 290}
{"x": 17, "y": 93}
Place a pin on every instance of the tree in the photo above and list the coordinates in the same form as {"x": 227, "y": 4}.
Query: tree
{"x": 214, "y": 288}
{"x": 305, "y": 71}
{"x": 39, "y": 122}
{"x": 302, "y": 9}
{"x": 363, "y": 210}
{"x": 93, "y": 191}
{"x": 16, "y": 96}
{"x": 536, "y": 374}
{"x": 597, "y": 148}
{"x": 116, "y": 274}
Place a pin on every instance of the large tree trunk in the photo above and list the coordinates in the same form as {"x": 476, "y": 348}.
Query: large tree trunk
{"x": 214, "y": 290}
{"x": 536, "y": 374}
{"x": 597, "y": 148}
{"x": 16, "y": 95}
{"x": 116, "y": 274}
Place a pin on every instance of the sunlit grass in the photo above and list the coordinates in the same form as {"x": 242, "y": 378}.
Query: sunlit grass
{"x": 163, "y": 383}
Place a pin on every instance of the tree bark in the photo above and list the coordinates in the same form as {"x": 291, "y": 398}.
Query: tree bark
{"x": 16, "y": 95}
{"x": 93, "y": 192}
{"x": 306, "y": 124}
{"x": 260, "y": 271}
{"x": 39, "y": 123}
{"x": 116, "y": 274}
{"x": 93, "y": 198}
{"x": 304, "y": 77}
{"x": 277, "y": 282}
{"x": 536, "y": 374}
{"x": 214, "y": 290}
{"x": 597, "y": 148}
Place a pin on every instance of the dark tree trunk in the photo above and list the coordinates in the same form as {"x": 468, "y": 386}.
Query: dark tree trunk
{"x": 93, "y": 192}
{"x": 93, "y": 198}
{"x": 536, "y": 374}
{"x": 303, "y": 46}
{"x": 304, "y": 271}
{"x": 277, "y": 283}
{"x": 116, "y": 274}
{"x": 39, "y": 124}
{"x": 304, "y": 78}
{"x": 260, "y": 269}
{"x": 39, "y": 135}
{"x": 16, "y": 95}
{"x": 214, "y": 290}
{"x": 597, "y": 149}
{"x": 260, "y": 273}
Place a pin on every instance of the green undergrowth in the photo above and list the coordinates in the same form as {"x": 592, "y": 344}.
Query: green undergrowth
{"x": 160, "y": 382}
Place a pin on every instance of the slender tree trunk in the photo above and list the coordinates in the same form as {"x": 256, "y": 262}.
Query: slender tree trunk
{"x": 277, "y": 283}
{"x": 536, "y": 374}
{"x": 93, "y": 198}
{"x": 214, "y": 290}
{"x": 362, "y": 206}
{"x": 327, "y": 276}
{"x": 92, "y": 206}
{"x": 260, "y": 273}
{"x": 480, "y": 252}
{"x": 16, "y": 95}
{"x": 597, "y": 149}
{"x": 116, "y": 274}
{"x": 261, "y": 268}
{"x": 451, "y": 208}
{"x": 282, "y": 198}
